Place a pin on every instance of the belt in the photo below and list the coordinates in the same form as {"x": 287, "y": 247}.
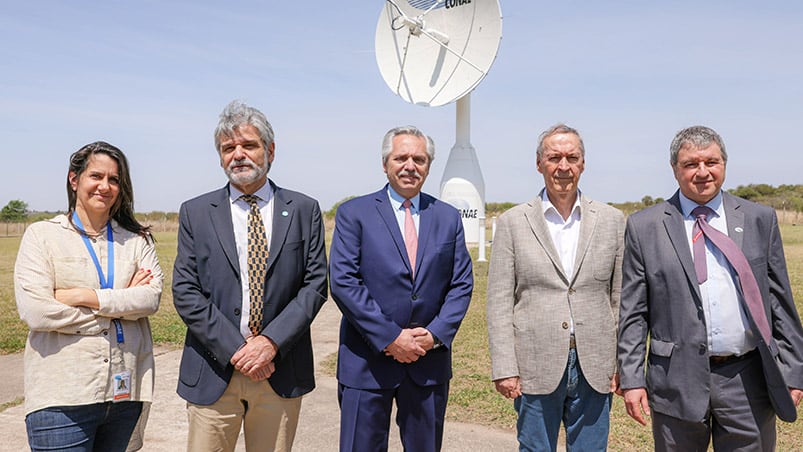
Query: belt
{"x": 572, "y": 342}
{"x": 720, "y": 360}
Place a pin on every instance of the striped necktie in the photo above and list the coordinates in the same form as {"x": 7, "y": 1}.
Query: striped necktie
{"x": 747, "y": 281}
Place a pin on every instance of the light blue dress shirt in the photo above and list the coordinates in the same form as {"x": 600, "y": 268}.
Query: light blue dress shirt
{"x": 396, "y": 201}
{"x": 728, "y": 330}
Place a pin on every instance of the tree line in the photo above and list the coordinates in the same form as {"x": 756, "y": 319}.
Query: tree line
{"x": 785, "y": 197}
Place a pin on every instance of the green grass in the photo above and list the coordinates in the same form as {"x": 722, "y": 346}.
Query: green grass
{"x": 472, "y": 397}
{"x": 166, "y": 325}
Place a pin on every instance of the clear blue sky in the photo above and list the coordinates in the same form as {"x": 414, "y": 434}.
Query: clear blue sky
{"x": 152, "y": 76}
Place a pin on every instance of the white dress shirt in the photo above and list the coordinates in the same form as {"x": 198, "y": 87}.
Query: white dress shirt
{"x": 565, "y": 234}
{"x": 239, "y": 219}
{"x": 721, "y": 298}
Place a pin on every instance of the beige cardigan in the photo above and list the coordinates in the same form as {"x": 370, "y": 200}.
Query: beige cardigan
{"x": 72, "y": 354}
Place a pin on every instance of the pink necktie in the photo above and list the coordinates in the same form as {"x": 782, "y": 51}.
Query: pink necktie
{"x": 410, "y": 236}
{"x": 747, "y": 281}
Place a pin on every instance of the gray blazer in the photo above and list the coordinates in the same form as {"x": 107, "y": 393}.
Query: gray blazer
{"x": 661, "y": 297}
{"x": 531, "y": 301}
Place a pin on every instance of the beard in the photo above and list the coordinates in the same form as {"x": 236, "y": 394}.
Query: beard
{"x": 249, "y": 176}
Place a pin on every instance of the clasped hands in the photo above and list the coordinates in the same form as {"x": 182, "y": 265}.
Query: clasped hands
{"x": 411, "y": 344}
{"x": 255, "y": 358}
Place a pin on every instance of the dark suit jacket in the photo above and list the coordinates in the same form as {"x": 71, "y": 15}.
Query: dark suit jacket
{"x": 371, "y": 283}
{"x": 660, "y": 296}
{"x": 208, "y": 297}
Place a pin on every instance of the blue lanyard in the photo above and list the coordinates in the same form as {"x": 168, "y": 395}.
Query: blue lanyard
{"x": 105, "y": 283}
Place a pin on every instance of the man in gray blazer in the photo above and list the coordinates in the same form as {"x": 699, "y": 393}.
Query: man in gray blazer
{"x": 713, "y": 371}
{"x": 553, "y": 299}
{"x": 249, "y": 277}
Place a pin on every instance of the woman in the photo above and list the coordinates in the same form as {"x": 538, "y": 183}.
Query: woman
{"x": 85, "y": 284}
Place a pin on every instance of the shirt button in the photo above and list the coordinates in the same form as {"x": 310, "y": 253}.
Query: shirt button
{"x": 236, "y": 311}
{"x": 572, "y": 291}
{"x": 415, "y": 296}
{"x": 565, "y": 325}
{"x": 105, "y": 333}
{"x": 106, "y": 360}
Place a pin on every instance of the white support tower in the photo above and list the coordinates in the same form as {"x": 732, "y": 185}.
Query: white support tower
{"x": 462, "y": 184}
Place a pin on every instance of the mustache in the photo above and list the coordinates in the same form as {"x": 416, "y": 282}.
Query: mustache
{"x": 245, "y": 161}
{"x": 413, "y": 173}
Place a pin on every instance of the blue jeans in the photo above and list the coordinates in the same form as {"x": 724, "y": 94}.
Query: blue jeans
{"x": 83, "y": 428}
{"x": 585, "y": 414}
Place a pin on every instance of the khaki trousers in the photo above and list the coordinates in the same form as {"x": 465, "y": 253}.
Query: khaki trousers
{"x": 269, "y": 421}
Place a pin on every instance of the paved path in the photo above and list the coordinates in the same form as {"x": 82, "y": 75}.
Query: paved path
{"x": 318, "y": 426}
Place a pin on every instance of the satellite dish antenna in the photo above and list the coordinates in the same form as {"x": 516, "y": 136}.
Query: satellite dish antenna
{"x": 434, "y": 52}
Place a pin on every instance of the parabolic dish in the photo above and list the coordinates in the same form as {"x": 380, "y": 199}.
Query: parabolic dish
{"x": 433, "y": 52}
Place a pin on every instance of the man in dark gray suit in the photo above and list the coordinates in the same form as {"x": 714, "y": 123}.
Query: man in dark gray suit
{"x": 725, "y": 353}
{"x": 249, "y": 277}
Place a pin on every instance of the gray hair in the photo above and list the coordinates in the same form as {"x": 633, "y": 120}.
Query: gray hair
{"x": 387, "y": 141}
{"x": 554, "y": 130}
{"x": 697, "y": 137}
{"x": 236, "y": 114}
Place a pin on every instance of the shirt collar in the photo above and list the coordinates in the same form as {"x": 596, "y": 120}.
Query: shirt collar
{"x": 396, "y": 200}
{"x": 265, "y": 192}
{"x": 546, "y": 204}
{"x": 687, "y": 205}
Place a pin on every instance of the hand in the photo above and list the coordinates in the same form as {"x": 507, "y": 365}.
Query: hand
{"x": 636, "y": 403}
{"x": 509, "y": 387}
{"x": 78, "y": 296}
{"x": 615, "y": 384}
{"x": 255, "y": 358}
{"x": 404, "y": 348}
{"x": 796, "y": 394}
{"x": 424, "y": 338}
{"x": 141, "y": 278}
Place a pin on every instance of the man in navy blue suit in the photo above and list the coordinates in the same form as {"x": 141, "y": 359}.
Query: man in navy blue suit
{"x": 402, "y": 277}
{"x": 249, "y": 277}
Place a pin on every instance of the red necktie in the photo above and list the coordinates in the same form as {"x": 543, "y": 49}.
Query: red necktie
{"x": 747, "y": 281}
{"x": 410, "y": 235}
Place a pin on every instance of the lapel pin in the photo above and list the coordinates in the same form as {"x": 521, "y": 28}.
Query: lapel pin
{"x": 738, "y": 229}
{"x": 284, "y": 213}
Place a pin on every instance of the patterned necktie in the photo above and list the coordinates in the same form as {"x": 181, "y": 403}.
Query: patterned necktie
{"x": 747, "y": 281}
{"x": 410, "y": 235}
{"x": 257, "y": 263}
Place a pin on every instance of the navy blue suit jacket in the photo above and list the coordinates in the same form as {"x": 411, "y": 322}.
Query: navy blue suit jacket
{"x": 372, "y": 284}
{"x": 208, "y": 295}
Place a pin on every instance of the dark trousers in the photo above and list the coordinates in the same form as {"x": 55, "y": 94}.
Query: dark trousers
{"x": 365, "y": 417}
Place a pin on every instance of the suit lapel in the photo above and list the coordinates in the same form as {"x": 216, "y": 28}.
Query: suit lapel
{"x": 676, "y": 230}
{"x": 220, "y": 217}
{"x": 734, "y": 217}
{"x": 588, "y": 223}
{"x": 283, "y": 212}
{"x": 425, "y": 221}
{"x": 385, "y": 211}
{"x": 535, "y": 217}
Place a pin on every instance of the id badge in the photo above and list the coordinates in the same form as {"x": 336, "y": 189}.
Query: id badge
{"x": 122, "y": 386}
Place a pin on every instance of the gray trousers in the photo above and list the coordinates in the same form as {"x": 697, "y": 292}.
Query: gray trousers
{"x": 740, "y": 415}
